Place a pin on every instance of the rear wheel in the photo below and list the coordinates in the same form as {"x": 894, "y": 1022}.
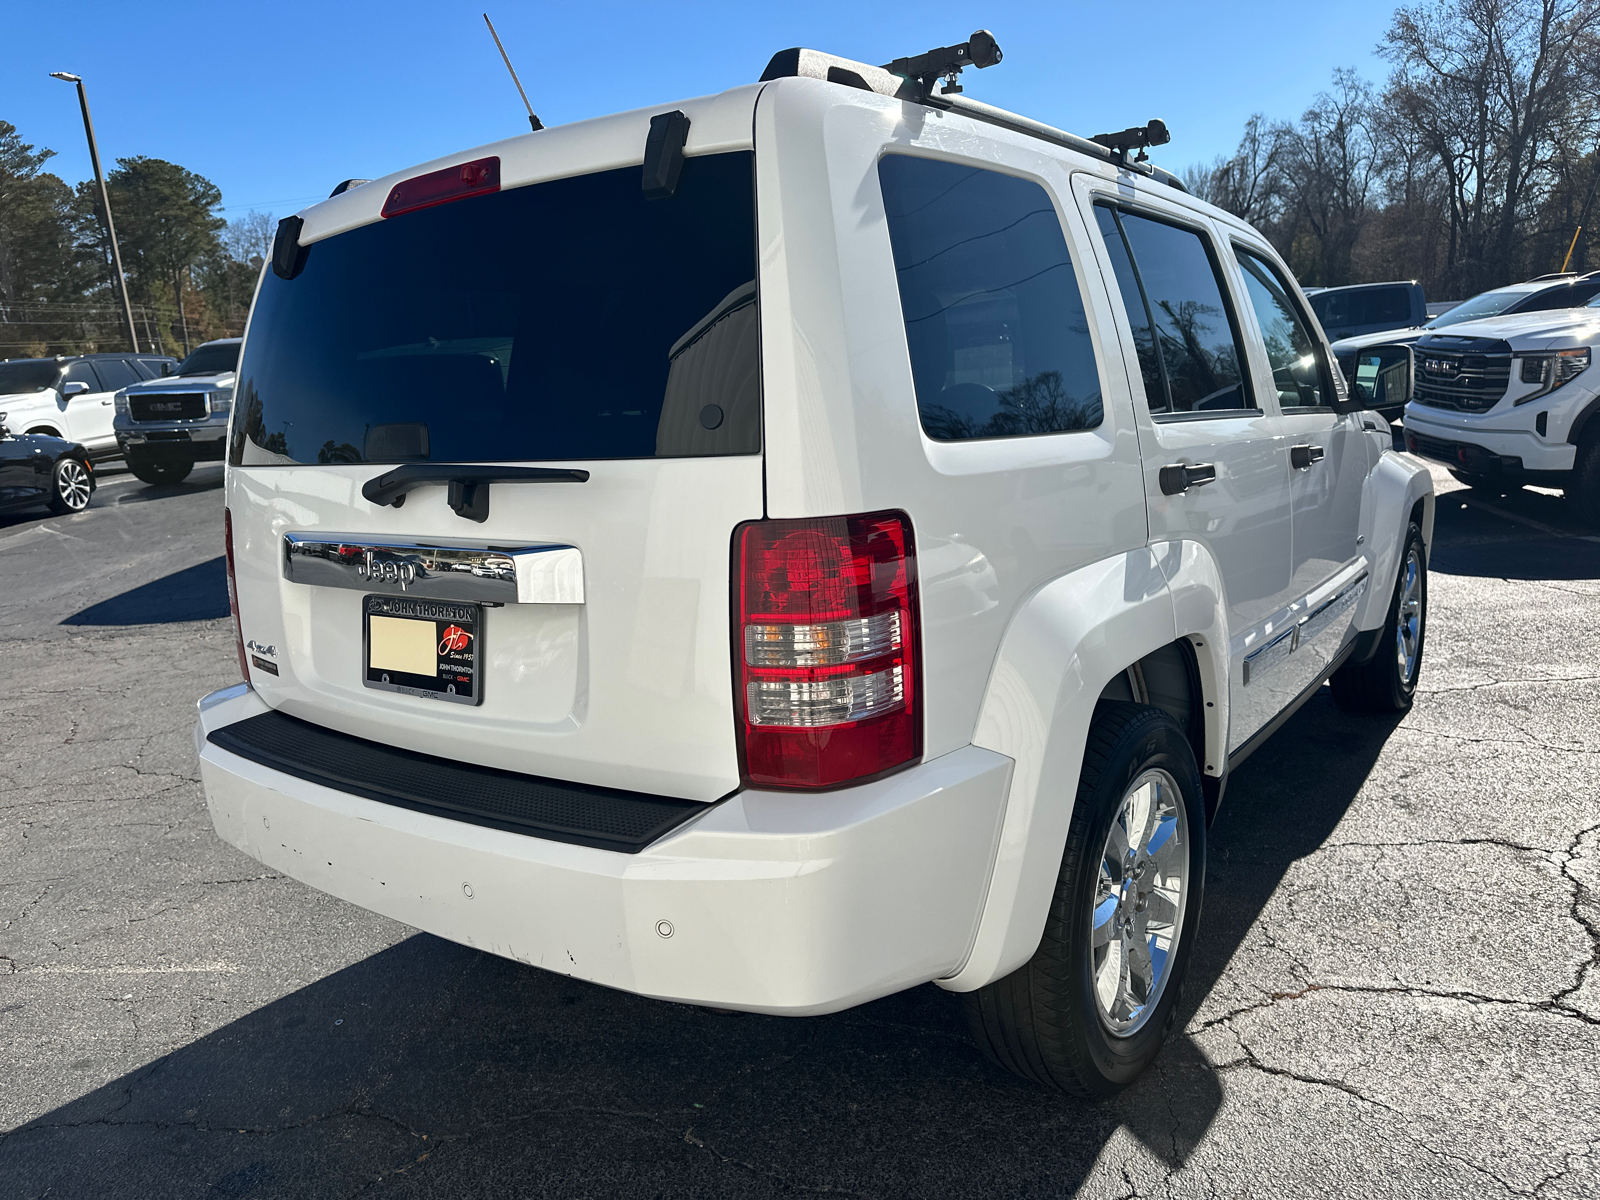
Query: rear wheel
{"x": 71, "y": 488}
{"x": 1089, "y": 1011}
{"x": 1584, "y": 490}
{"x": 1387, "y": 681}
{"x": 160, "y": 468}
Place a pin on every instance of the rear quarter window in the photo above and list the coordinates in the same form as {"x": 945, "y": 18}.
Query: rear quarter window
{"x": 994, "y": 319}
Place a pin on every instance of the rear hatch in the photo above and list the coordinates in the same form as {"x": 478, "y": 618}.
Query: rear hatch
{"x": 570, "y": 324}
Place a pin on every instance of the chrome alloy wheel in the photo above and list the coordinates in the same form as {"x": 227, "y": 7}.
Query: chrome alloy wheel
{"x": 72, "y": 484}
{"x": 1408, "y": 622}
{"x": 1139, "y": 902}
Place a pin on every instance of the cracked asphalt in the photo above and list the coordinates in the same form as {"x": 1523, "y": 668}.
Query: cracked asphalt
{"x": 1394, "y": 994}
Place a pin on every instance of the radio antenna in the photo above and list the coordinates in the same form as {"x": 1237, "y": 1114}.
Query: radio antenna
{"x": 533, "y": 120}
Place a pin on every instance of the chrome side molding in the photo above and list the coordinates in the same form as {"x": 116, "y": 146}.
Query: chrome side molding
{"x": 1312, "y": 625}
{"x": 537, "y": 574}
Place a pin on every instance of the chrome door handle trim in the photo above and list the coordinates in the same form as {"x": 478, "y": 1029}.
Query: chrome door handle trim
{"x": 535, "y": 574}
{"x": 1177, "y": 478}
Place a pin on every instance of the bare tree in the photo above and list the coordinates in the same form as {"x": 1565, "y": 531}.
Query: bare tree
{"x": 1332, "y": 174}
{"x": 1491, "y": 88}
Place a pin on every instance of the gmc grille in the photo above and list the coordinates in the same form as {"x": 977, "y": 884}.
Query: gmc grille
{"x": 1472, "y": 383}
{"x": 167, "y": 406}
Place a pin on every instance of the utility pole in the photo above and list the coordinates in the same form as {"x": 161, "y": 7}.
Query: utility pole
{"x": 105, "y": 200}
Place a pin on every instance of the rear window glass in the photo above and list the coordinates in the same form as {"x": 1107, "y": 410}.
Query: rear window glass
{"x": 994, "y": 320}
{"x": 574, "y": 319}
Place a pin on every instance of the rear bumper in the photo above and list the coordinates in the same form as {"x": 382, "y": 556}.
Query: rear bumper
{"x": 770, "y": 902}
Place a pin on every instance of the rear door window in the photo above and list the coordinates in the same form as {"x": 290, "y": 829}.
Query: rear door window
{"x": 574, "y": 319}
{"x": 994, "y": 319}
{"x": 1184, "y": 328}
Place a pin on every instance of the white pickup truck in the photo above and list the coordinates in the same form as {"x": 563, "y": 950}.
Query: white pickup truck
{"x": 864, "y": 529}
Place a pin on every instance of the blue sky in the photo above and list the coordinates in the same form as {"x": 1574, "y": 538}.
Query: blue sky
{"x": 278, "y": 102}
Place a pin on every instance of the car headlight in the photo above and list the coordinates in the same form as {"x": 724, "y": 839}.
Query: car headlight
{"x": 120, "y": 400}
{"x": 1551, "y": 371}
{"x": 221, "y": 400}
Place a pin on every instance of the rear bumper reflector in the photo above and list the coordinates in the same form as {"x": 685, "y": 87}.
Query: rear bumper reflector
{"x": 604, "y": 818}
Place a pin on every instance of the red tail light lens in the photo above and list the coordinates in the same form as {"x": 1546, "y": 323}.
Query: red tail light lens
{"x": 233, "y": 594}
{"x": 826, "y": 640}
{"x": 476, "y": 178}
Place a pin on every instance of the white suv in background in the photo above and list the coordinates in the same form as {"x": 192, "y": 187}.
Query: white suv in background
{"x": 1512, "y": 400}
{"x": 786, "y": 547}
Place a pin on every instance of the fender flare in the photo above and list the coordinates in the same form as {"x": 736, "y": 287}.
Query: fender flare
{"x": 1065, "y": 643}
{"x": 1393, "y": 488}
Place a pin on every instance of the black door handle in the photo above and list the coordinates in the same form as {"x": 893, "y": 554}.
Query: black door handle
{"x": 1301, "y": 457}
{"x": 1180, "y": 477}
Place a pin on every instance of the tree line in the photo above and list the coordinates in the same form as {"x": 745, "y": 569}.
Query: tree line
{"x": 191, "y": 274}
{"x": 1474, "y": 165}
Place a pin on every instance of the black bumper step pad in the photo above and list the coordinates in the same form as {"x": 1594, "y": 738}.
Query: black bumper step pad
{"x": 604, "y": 818}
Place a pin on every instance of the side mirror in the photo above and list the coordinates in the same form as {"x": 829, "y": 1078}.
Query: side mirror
{"x": 5, "y": 432}
{"x": 1383, "y": 377}
{"x": 75, "y": 387}
{"x": 166, "y": 368}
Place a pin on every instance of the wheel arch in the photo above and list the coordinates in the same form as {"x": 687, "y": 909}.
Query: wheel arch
{"x": 1399, "y": 490}
{"x": 45, "y": 431}
{"x": 1067, "y": 642}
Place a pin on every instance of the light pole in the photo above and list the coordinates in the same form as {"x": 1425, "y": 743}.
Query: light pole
{"x": 105, "y": 200}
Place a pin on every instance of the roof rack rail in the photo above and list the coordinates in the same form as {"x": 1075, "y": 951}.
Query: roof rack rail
{"x": 801, "y": 63}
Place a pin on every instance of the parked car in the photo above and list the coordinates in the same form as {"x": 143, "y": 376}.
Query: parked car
{"x": 1363, "y": 308}
{"x": 1544, "y": 294}
{"x": 70, "y": 397}
{"x": 811, "y": 581}
{"x": 39, "y": 471}
{"x": 165, "y": 426}
{"x": 1509, "y": 400}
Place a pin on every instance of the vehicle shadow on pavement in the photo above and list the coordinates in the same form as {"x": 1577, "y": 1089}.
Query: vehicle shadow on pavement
{"x": 449, "y": 1071}
{"x": 198, "y": 593}
{"x": 1514, "y": 533}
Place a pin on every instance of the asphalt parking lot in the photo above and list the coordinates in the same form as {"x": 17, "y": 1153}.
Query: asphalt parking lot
{"x": 1396, "y": 993}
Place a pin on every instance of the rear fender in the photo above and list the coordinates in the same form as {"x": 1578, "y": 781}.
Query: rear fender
{"x": 1393, "y": 488}
{"x": 1067, "y": 641}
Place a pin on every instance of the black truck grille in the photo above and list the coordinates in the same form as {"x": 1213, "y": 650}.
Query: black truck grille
{"x": 167, "y": 406}
{"x": 549, "y": 808}
{"x": 1472, "y": 383}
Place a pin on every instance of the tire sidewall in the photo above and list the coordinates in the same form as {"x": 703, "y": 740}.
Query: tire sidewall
{"x": 1119, "y": 1060}
{"x": 58, "y": 499}
{"x": 1405, "y": 690}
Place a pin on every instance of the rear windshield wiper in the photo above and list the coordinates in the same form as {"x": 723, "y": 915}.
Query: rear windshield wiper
{"x": 469, "y": 485}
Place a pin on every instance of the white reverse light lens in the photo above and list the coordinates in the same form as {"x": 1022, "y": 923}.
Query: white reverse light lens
{"x": 807, "y": 703}
{"x": 824, "y": 644}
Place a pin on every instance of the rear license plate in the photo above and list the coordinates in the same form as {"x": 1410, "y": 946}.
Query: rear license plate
{"x": 427, "y": 648}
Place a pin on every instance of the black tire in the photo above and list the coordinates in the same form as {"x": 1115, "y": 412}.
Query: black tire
{"x": 1383, "y": 684}
{"x": 1044, "y": 1020}
{"x": 71, "y": 486}
{"x": 160, "y": 468}
{"x": 1584, "y": 490}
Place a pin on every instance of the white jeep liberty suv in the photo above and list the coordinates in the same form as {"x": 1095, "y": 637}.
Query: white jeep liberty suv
{"x": 792, "y": 546}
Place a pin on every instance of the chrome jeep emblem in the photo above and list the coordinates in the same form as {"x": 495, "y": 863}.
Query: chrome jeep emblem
{"x": 387, "y": 570}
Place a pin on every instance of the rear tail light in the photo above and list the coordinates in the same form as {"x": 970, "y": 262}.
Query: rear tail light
{"x": 826, "y": 636}
{"x": 233, "y": 593}
{"x": 476, "y": 178}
